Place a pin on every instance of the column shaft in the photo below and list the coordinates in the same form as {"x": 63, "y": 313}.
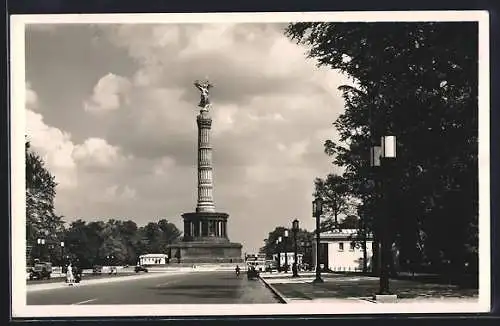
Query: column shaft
{"x": 205, "y": 180}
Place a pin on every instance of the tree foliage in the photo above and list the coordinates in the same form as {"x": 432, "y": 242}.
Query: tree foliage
{"x": 41, "y": 220}
{"x": 419, "y": 82}
{"x": 118, "y": 242}
{"x": 270, "y": 247}
{"x": 337, "y": 200}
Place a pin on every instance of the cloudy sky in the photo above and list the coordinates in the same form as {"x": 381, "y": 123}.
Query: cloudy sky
{"x": 112, "y": 110}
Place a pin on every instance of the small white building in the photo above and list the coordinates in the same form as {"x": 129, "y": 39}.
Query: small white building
{"x": 342, "y": 250}
{"x": 153, "y": 259}
{"x": 290, "y": 258}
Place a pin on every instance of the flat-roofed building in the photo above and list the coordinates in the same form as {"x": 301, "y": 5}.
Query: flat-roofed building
{"x": 342, "y": 250}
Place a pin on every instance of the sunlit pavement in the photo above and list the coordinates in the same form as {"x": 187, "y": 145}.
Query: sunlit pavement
{"x": 349, "y": 288}
{"x": 209, "y": 287}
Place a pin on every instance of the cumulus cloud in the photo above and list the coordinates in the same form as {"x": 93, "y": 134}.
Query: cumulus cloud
{"x": 31, "y": 101}
{"x": 164, "y": 166}
{"x": 53, "y": 145}
{"x": 109, "y": 94}
{"x": 96, "y": 152}
{"x": 66, "y": 160}
{"x": 272, "y": 111}
{"x": 115, "y": 192}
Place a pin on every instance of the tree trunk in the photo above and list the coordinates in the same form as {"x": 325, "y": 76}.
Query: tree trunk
{"x": 376, "y": 256}
{"x": 365, "y": 255}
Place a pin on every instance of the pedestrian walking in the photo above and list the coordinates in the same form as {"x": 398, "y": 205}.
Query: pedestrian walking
{"x": 70, "y": 279}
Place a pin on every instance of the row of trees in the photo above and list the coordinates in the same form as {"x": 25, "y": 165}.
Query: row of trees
{"x": 99, "y": 242}
{"x": 417, "y": 81}
{"x": 118, "y": 242}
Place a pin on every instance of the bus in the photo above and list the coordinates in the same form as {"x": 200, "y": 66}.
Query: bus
{"x": 258, "y": 261}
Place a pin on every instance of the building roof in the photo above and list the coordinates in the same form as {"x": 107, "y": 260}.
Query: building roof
{"x": 343, "y": 234}
{"x": 153, "y": 255}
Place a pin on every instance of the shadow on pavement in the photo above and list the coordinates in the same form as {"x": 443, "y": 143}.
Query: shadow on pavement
{"x": 366, "y": 288}
{"x": 199, "y": 290}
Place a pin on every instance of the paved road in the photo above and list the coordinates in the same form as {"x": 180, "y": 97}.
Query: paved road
{"x": 84, "y": 277}
{"x": 191, "y": 288}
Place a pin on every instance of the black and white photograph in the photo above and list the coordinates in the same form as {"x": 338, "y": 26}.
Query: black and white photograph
{"x": 250, "y": 164}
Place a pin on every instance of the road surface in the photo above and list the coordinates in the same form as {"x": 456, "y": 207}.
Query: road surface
{"x": 85, "y": 277}
{"x": 217, "y": 287}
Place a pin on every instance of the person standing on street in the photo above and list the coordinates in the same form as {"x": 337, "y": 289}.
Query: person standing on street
{"x": 69, "y": 275}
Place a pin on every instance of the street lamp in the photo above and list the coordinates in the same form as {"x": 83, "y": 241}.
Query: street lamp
{"x": 278, "y": 254}
{"x": 285, "y": 244}
{"x": 387, "y": 156}
{"x": 62, "y": 253}
{"x": 280, "y": 239}
{"x": 295, "y": 229}
{"x": 317, "y": 212}
{"x": 41, "y": 243}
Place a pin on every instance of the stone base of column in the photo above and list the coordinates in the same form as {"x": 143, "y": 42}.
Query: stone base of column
{"x": 215, "y": 233}
{"x": 208, "y": 244}
{"x": 203, "y": 252}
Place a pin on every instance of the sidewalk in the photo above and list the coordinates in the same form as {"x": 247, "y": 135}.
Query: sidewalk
{"x": 341, "y": 288}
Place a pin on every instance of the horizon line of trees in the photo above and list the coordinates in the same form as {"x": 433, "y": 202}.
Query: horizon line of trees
{"x": 91, "y": 243}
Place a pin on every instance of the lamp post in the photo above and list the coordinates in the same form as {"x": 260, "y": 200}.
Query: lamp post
{"x": 317, "y": 212}
{"x": 41, "y": 243}
{"x": 110, "y": 259}
{"x": 278, "y": 254}
{"x": 280, "y": 240}
{"x": 62, "y": 253}
{"x": 285, "y": 245}
{"x": 295, "y": 229}
{"x": 387, "y": 158}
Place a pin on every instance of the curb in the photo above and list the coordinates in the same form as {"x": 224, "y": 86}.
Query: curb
{"x": 277, "y": 293}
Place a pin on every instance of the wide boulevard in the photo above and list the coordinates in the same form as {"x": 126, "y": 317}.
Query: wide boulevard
{"x": 208, "y": 287}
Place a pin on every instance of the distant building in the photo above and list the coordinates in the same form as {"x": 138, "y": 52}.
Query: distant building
{"x": 342, "y": 250}
{"x": 256, "y": 260}
{"x": 153, "y": 259}
{"x": 290, "y": 259}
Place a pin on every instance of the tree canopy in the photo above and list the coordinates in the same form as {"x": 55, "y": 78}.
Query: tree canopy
{"x": 304, "y": 238}
{"x": 41, "y": 220}
{"x": 336, "y": 197}
{"x": 117, "y": 241}
{"x": 418, "y": 81}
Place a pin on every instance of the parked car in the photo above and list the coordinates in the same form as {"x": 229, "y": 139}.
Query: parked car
{"x": 140, "y": 268}
{"x": 40, "y": 271}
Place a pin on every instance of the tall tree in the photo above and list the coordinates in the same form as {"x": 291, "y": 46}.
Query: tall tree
{"x": 41, "y": 219}
{"x": 334, "y": 191}
{"x": 419, "y": 82}
{"x": 170, "y": 232}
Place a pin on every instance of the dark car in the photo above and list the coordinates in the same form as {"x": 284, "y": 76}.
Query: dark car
{"x": 140, "y": 268}
{"x": 252, "y": 273}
